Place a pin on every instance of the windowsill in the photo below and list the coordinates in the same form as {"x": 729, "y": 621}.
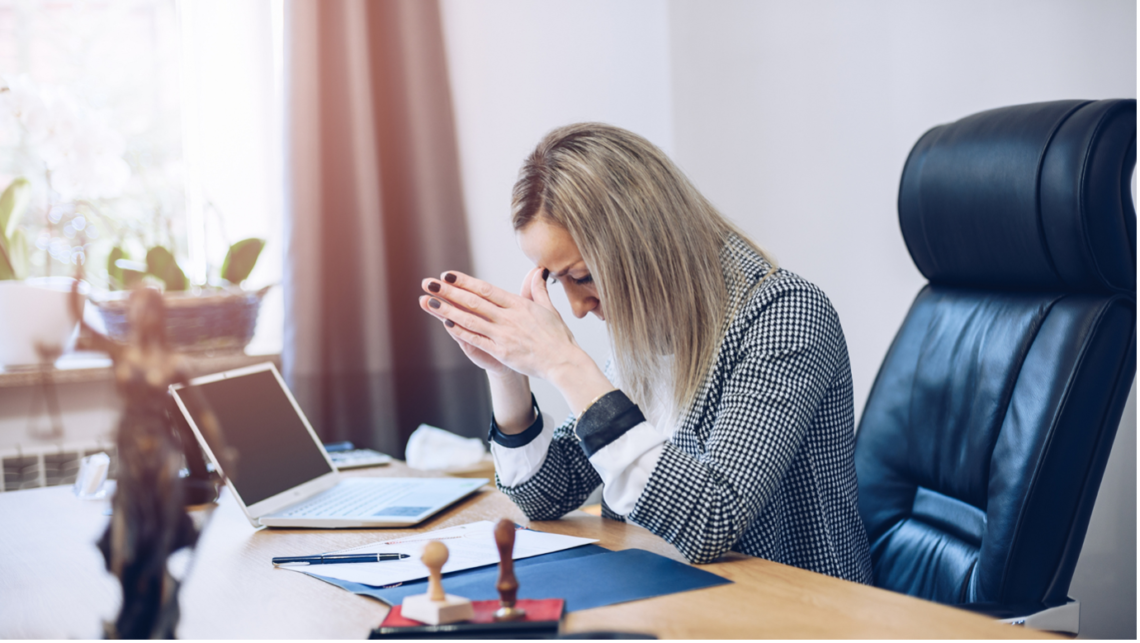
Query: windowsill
{"x": 83, "y": 366}
{"x": 87, "y": 366}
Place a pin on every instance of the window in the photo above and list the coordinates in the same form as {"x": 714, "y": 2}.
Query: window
{"x": 141, "y": 123}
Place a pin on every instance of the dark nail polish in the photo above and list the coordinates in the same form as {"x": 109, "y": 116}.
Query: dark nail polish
{"x": 449, "y": 323}
{"x": 449, "y": 278}
{"x": 545, "y": 274}
{"x": 433, "y": 286}
{"x": 434, "y": 303}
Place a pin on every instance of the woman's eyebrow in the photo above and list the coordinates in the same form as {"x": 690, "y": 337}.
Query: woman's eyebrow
{"x": 565, "y": 270}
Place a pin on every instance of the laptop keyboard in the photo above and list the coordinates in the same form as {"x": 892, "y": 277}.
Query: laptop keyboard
{"x": 349, "y": 500}
{"x": 357, "y": 458}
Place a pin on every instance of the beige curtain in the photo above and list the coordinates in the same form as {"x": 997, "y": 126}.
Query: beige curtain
{"x": 375, "y": 206}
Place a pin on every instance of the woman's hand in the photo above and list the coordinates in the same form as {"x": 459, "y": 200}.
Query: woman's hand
{"x": 500, "y": 331}
{"x": 479, "y": 357}
{"x": 511, "y": 337}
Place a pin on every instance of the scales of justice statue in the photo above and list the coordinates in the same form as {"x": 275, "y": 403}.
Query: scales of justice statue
{"x": 149, "y": 520}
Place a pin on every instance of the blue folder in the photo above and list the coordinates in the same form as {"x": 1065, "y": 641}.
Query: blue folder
{"x": 585, "y": 577}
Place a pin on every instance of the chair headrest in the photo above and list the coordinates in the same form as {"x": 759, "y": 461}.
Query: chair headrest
{"x": 1029, "y": 197}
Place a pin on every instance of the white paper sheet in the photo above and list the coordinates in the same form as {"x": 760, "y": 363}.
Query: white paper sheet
{"x": 468, "y": 546}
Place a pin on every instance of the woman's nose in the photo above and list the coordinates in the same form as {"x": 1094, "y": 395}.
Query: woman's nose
{"x": 582, "y": 303}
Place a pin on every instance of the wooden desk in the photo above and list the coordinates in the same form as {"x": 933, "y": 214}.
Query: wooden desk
{"x": 53, "y": 585}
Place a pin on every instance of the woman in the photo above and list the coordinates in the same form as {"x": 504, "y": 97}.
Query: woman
{"x": 724, "y": 420}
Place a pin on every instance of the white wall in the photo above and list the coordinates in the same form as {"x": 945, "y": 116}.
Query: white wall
{"x": 796, "y": 118}
{"x": 518, "y": 70}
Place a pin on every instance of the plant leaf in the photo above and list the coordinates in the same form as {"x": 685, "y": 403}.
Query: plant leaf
{"x": 160, "y": 263}
{"x": 157, "y": 261}
{"x": 13, "y": 251}
{"x": 6, "y": 269}
{"x": 119, "y": 277}
{"x": 241, "y": 259}
{"x": 18, "y": 253}
{"x": 115, "y": 273}
{"x": 13, "y": 201}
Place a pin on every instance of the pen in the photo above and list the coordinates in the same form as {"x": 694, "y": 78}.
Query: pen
{"x": 330, "y": 559}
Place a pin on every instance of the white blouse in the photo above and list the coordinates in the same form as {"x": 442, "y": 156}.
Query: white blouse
{"x": 624, "y": 465}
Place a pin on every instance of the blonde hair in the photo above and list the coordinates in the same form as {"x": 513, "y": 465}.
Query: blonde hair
{"x": 652, "y": 243}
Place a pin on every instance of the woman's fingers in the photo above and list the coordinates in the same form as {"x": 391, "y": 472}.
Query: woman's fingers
{"x": 539, "y": 294}
{"x": 446, "y": 311}
{"x": 498, "y": 330}
{"x": 472, "y": 344}
{"x": 431, "y": 311}
{"x": 475, "y": 340}
{"x": 457, "y": 332}
{"x": 491, "y": 293}
{"x": 463, "y": 299}
{"x": 525, "y": 290}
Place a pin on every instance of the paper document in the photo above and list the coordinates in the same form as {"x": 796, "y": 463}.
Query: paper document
{"x": 468, "y": 546}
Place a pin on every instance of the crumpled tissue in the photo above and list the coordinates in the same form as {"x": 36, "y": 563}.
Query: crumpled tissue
{"x": 435, "y": 449}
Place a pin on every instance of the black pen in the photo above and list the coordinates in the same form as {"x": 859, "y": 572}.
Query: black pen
{"x": 331, "y": 559}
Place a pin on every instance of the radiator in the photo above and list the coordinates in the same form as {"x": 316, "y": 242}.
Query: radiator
{"x": 49, "y": 467}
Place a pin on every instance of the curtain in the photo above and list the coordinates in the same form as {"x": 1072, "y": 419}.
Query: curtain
{"x": 375, "y": 205}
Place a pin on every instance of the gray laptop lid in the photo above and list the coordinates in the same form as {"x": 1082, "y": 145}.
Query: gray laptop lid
{"x": 274, "y": 448}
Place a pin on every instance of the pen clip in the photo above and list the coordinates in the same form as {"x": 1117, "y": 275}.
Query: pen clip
{"x": 278, "y": 563}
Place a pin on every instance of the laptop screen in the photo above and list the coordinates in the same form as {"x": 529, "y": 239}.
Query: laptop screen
{"x": 275, "y": 451}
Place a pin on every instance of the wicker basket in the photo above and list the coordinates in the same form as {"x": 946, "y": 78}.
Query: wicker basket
{"x": 213, "y": 321}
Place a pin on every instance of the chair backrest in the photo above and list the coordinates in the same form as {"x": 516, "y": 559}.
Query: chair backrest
{"x": 984, "y": 439}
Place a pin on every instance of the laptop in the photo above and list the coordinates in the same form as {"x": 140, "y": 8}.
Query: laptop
{"x": 282, "y": 475}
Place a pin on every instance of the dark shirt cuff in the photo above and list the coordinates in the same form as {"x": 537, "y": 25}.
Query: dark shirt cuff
{"x": 607, "y": 420}
{"x": 519, "y": 439}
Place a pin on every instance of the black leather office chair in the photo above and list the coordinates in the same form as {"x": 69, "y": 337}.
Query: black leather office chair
{"x": 985, "y": 436}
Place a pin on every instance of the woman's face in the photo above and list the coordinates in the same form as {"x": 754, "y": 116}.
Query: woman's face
{"x": 550, "y": 246}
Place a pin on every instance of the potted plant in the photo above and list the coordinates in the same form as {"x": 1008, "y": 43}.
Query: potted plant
{"x": 73, "y": 157}
{"x": 35, "y": 325}
{"x": 209, "y": 319}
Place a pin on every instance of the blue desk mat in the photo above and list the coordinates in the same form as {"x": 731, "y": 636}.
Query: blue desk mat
{"x": 585, "y": 577}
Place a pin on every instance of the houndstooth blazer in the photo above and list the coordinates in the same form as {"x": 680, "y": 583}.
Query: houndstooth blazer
{"x": 762, "y": 462}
